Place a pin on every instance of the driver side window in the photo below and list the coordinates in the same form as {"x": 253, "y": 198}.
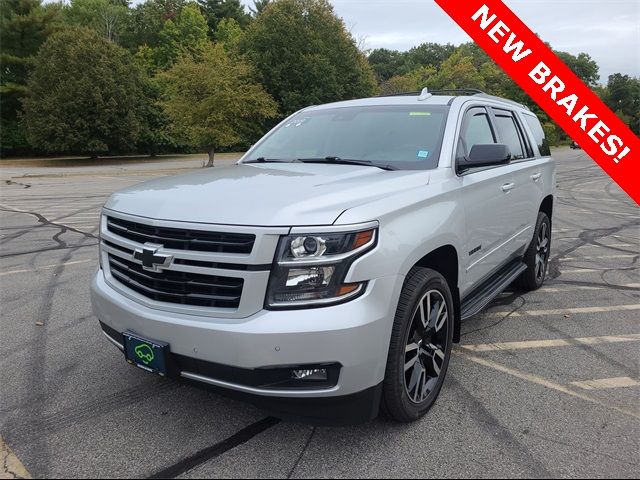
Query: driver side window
{"x": 476, "y": 130}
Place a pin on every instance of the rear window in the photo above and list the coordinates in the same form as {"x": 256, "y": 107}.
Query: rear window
{"x": 406, "y": 137}
{"x": 538, "y": 134}
{"x": 506, "y": 125}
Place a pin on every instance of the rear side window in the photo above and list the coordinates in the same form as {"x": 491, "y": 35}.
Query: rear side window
{"x": 509, "y": 135}
{"x": 538, "y": 134}
{"x": 476, "y": 130}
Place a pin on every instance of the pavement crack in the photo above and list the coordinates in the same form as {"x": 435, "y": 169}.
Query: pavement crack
{"x": 302, "y": 453}
{"x": 43, "y": 221}
{"x": 23, "y": 185}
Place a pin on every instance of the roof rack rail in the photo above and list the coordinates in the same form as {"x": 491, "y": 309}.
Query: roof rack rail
{"x": 403, "y": 94}
{"x": 458, "y": 91}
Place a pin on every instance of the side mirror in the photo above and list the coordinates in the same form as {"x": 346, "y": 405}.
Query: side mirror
{"x": 488, "y": 155}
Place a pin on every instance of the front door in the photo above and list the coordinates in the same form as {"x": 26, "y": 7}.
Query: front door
{"x": 485, "y": 193}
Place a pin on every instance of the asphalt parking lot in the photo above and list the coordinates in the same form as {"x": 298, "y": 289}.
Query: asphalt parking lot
{"x": 545, "y": 384}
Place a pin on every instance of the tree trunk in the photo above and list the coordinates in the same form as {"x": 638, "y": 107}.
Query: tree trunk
{"x": 212, "y": 153}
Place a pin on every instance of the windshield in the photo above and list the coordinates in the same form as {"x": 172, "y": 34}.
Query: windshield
{"x": 403, "y": 137}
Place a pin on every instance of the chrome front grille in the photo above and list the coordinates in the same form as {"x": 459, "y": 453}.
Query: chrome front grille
{"x": 188, "y": 268}
{"x": 181, "y": 239}
{"x": 178, "y": 287}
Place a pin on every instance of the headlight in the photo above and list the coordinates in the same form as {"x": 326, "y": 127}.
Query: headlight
{"x": 310, "y": 269}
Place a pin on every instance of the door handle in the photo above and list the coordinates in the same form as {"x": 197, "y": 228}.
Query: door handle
{"x": 536, "y": 176}
{"x": 507, "y": 187}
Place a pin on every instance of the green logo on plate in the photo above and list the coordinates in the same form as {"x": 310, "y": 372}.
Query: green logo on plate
{"x": 145, "y": 353}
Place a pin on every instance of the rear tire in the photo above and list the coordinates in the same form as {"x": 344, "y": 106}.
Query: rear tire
{"x": 536, "y": 258}
{"x": 420, "y": 346}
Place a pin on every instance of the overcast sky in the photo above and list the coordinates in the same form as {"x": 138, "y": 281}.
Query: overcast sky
{"x": 608, "y": 30}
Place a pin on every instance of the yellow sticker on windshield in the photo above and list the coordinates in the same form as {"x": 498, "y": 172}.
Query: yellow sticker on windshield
{"x": 420, "y": 114}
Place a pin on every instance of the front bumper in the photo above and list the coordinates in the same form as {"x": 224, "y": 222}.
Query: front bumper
{"x": 355, "y": 335}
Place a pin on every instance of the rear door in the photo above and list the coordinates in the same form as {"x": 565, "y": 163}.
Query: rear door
{"x": 485, "y": 194}
{"x": 526, "y": 196}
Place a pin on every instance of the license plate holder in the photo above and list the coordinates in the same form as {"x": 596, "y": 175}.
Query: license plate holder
{"x": 149, "y": 355}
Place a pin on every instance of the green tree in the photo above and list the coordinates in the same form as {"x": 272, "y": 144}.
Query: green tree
{"x": 583, "y": 66}
{"x": 215, "y": 101}
{"x": 24, "y": 26}
{"x": 427, "y": 54}
{"x": 388, "y": 63}
{"x": 186, "y": 35}
{"x": 305, "y": 55}
{"x": 85, "y": 96}
{"x": 622, "y": 95}
{"x": 258, "y": 7}
{"x": 145, "y": 21}
{"x": 399, "y": 84}
{"x": 458, "y": 71}
{"x": 229, "y": 34}
{"x": 106, "y": 17}
{"x": 216, "y": 10}
{"x": 155, "y": 133}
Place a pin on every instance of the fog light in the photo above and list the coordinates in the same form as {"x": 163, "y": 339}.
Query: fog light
{"x": 318, "y": 374}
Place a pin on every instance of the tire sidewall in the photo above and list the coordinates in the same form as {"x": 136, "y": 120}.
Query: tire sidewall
{"x": 542, "y": 219}
{"x": 431, "y": 280}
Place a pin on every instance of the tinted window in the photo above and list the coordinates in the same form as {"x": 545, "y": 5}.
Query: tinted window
{"x": 475, "y": 131}
{"x": 538, "y": 134}
{"x": 508, "y": 130}
{"x": 407, "y": 137}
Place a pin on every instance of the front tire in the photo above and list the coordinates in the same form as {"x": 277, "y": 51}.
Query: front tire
{"x": 536, "y": 258}
{"x": 420, "y": 346}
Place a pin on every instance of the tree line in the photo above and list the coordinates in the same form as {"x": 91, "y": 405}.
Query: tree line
{"x": 98, "y": 77}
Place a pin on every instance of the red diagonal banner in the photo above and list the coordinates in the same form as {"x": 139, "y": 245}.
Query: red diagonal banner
{"x": 553, "y": 86}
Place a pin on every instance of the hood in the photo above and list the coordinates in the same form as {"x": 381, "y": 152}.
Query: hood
{"x": 291, "y": 194}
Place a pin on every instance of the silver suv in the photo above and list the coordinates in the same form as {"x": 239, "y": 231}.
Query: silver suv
{"x": 326, "y": 275}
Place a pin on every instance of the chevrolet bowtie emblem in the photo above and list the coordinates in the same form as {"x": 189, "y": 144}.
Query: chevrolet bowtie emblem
{"x": 150, "y": 258}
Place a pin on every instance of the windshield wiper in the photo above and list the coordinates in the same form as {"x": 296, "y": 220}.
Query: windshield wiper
{"x": 344, "y": 161}
{"x": 272, "y": 160}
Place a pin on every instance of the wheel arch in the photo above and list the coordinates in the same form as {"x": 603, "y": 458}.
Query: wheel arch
{"x": 547, "y": 206}
{"x": 444, "y": 260}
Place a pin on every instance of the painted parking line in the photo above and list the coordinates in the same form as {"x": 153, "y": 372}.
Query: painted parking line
{"x": 555, "y": 342}
{"x": 596, "y": 257}
{"x": 543, "y": 382}
{"x": 590, "y": 270}
{"x": 616, "y": 245}
{"x": 76, "y": 221}
{"x": 625, "y": 237}
{"x": 10, "y": 465}
{"x": 84, "y": 213}
{"x": 46, "y": 267}
{"x": 574, "y": 288}
{"x": 567, "y": 311}
{"x": 606, "y": 383}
